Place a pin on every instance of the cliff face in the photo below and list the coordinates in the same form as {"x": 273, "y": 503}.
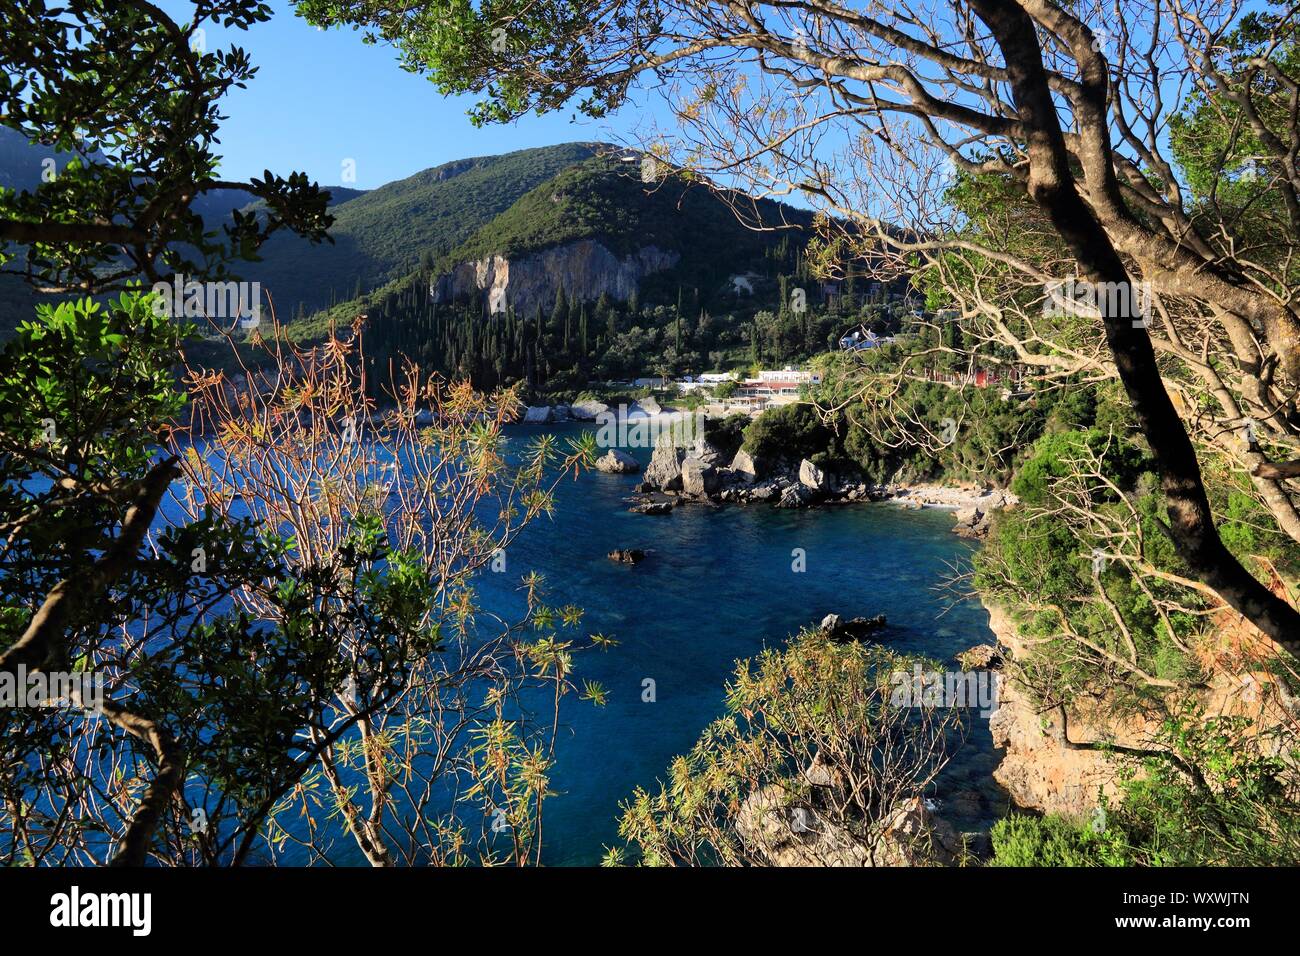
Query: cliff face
{"x": 1046, "y": 764}
{"x": 1039, "y": 769}
{"x": 585, "y": 270}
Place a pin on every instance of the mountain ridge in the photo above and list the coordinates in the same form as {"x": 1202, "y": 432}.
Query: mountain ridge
{"x": 382, "y": 235}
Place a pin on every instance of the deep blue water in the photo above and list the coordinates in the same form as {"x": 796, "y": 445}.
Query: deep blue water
{"x": 718, "y": 586}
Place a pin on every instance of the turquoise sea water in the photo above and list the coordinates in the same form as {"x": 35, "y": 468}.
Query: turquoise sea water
{"x": 717, "y": 586}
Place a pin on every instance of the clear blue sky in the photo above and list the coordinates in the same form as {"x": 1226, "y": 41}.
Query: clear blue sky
{"x": 321, "y": 97}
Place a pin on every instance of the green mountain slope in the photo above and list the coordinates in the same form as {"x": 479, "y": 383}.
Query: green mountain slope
{"x": 605, "y": 200}
{"x": 573, "y": 315}
{"x": 381, "y": 235}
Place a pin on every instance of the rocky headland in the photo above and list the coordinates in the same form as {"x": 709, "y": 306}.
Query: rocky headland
{"x": 704, "y": 473}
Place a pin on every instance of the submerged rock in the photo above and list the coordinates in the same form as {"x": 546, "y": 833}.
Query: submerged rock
{"x": 653, "y": 508}
{"x": 627, "y": 555}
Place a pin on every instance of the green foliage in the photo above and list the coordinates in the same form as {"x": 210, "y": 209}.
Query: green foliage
{"x": 1050, "y": 841}
{"x": 85, "y": 399}
{"x": 467, "y": 43}
{"x": 234, "y": 634}
{"x": 382, "y": 236}
{"x": 128, "y": 98}
{"x": 815, "y": 702}
{"x": 66, "y": 379}
{"x": 1221, "y": 798}
{"x": 605, "y": 201}
{"x": 1046, "y": 555}
{"x": 789, "y": 431}
{"x": 727, "y": 434}
{"x": 1054, "y": 457}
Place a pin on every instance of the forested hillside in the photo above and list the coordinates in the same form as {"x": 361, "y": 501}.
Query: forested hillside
{"x": 383, "y": 234}
{"x": 689, "y": 318}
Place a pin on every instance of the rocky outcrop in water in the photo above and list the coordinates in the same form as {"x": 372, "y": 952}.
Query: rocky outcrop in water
{"x": 665, "y": 469}
{"x": 627, "y": 555}
{"x": 587, "y": 410}
{"x": 972, "y": 523}
{"x": 584, "y": 270}
{"x": 617, "y": 462}
{"x": 854, "y": 629}
{"x": 699, "y": 479}
{"x": 744, "y": 467}
{"x": 812, "y": 477}
{"x": 722, "y": 476}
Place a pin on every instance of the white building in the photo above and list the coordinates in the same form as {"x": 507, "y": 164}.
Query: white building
{"x": 788, "y": 374}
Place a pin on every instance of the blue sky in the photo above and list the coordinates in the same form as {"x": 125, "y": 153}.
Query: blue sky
{"x": 323, "y": 97}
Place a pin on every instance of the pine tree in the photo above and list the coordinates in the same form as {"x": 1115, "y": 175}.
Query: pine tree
{"x": 560, "y": 313}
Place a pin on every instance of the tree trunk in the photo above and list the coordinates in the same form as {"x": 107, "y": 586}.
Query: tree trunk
{"x": 1052, "y": 186}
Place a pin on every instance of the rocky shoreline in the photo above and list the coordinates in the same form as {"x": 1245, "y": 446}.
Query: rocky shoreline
{"x": 590, "y": 410}
{"x": 704, "y": 474}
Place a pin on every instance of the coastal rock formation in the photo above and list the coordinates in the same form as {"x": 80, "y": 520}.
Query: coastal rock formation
{"x": 584, "y": 270}
{"x": 537, "y": 415}
{"x": 710, "y": 453}
{"x": 972, "y": 523}
{"x": 980, "y": 500}
{"x": 811, "y": 477}
{"x": 723, "y": 475}
{"x": 854, "y": 629}
{"x": 699, "y": 480}
{"x": 1040, "y": 769}
{"x": 980, "y": 657}
{"x": 588, "y": 410}
{"x": 617, "y": 462}
{"x": 653, "y": 508}
{"x": 744, "y": 467}
{"x": 665, "y": 469}
{"x": 795, "y": 496}
{"x": 1056, "y": 760}
{"x": 627, "y": 555}
{"x": 781, "y": 833}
